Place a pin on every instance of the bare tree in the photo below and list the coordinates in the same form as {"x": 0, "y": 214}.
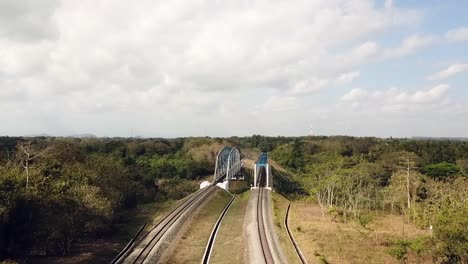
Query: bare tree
{"x": 408, "y": 163}
{"x": 27, "y": 153}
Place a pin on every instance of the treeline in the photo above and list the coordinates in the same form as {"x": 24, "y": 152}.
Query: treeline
{"x": 348, "y": 177}
{"x": 56, "y": 191}
{"x": 259, "y": 142}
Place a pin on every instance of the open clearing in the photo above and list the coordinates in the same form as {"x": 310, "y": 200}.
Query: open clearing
{"x": 280, "y": 205}
{"x": 327, "y": 241}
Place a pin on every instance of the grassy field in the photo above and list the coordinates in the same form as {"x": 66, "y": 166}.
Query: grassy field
{"x": 192, "y": 242}
{"x": 280, "y": 205}
{"x": 327, "y": 241}
{"x": 229, "y": 244}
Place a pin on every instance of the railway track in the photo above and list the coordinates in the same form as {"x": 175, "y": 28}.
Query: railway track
{"x": 262, "y": 232}
{"x": 296, "y": 246}
{"x": 150, "y": 240}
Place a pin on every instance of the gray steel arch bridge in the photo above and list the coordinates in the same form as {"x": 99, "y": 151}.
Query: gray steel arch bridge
{"x": 228, "y": 165}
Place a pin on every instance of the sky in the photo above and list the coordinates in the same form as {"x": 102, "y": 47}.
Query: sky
{"x": 178, "y": 68}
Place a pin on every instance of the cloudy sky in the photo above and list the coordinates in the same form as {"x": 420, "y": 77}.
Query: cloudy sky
{"x": 234, "y": 67}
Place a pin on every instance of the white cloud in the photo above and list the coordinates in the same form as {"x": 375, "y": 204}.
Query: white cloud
{"x": 394, "y": 112}
{"x": 396, "y": 99}
{"x": 277, "y": 104}
{"x": 355, "y": 94}
{"x": 457, "y": 35}
{"x": 449, "y": 72}
{"x": 365, "y": 50}
{"x": 172, "y": 66}
{"x": 27, "y": 20}
{"x": 409, "y": 45}
{"x": 347, "y": 77}
{"x": 315, "y": 84}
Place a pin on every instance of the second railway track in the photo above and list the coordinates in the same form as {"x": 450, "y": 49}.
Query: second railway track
{"x": 262, "y": 232}
{"x": 291, "y": 237}
{"x": 149, "y": 242}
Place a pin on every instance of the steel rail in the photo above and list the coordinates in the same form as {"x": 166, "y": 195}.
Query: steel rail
{"x": 143, "y": 255}
{"x": 214, "y": 233}
{"x": 123, "y": 254}
{"x": 166, "y": 223}
{"x": 173, "y": 210}
{"x": 261, "y": 227}
{"x": 296, "y": 246}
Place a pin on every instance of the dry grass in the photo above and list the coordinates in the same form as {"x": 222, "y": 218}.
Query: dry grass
{"x": 229, "y": 244}
{"x": 322, "y": 238}
{"x": 190, "y": 245}
{"x": 280, "y": 205}
{"x": 275, "y": 165}
{"x": 205, "y": 150}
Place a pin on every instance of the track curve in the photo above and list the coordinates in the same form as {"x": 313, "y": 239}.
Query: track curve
{"x": 296, "y": 246}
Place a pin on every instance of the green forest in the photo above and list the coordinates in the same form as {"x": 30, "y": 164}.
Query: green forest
{"x": 55, "y": 192}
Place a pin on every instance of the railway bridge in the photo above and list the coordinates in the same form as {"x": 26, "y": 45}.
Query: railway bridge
{"x": 262, "y": 172}
{"x": 150, "y": 245}
{"x": 228, "y": 166}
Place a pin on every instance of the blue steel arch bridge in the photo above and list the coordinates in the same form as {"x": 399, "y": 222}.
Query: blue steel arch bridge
{"x": 262, "y": 172}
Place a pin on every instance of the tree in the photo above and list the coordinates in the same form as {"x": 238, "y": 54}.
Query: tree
{"x": 27, "y": 153}
{"x": 463, "y": 165}
{"x": 409, "y": 165}
{"x": 402, "y": 163}
{"x": 321, "y": 179}
{"x": 441, "y": 170}
{"x": 450, "y": 229}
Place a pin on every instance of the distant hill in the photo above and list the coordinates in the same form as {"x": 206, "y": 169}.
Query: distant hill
{"x": 38, "y": 135}
{"x": 441, "y": 138}
{"x": 83, "y": 136}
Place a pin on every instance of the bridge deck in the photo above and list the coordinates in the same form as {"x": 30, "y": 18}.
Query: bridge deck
{"x": 262, "y": 159}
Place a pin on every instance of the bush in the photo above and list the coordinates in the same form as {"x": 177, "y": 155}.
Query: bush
{"x": 365, "y": 218}
{"x": 401, "y": 247}
{"x": 441, "y": 170}
{"x": 451, "y": 232}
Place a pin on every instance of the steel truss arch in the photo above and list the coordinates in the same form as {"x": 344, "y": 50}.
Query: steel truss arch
{"x": 228, "y": 164}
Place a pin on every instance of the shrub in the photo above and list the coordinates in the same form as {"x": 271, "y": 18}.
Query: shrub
{"x": 441, "y": 170}
{"x": 451, "y": 233}
{"x": 365, "y": 218}
{"x": 323, "y": 260}
{"x": 400, "y": 249}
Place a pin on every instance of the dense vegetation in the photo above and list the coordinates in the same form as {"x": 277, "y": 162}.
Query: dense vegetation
{"x": 426, "y": 181}
{"x": 54, "y": 192}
